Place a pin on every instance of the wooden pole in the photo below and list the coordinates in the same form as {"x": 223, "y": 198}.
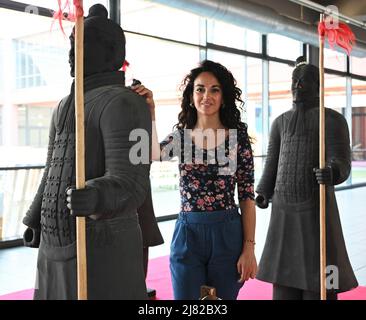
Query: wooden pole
{"x": 80, "y": 154}
{"x": 323, "y": 254}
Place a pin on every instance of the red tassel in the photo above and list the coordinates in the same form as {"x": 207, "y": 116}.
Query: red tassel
{"x": 66, "y": 12}
{"x": 342, "y": 36}
{"x": 79, "y": 10}
{"x": 125, "y": 65}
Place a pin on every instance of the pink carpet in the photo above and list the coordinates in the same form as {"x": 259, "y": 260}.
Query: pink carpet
{"x": 159, "y": 279}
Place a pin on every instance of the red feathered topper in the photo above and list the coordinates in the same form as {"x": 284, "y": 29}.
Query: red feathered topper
{"x": 337, "y": 33}
{"x": 66, "y": 11}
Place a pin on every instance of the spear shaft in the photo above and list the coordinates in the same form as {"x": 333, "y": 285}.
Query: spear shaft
{"x": 80, "y": 154}
{"x": 322, "y": 198}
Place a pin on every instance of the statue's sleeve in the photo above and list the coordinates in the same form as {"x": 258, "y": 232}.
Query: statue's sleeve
{"x": 151, "y": 235}
{"x": 268, "y": 180}
{"x": 337, "y": 146}
{"x": 32, "y": 217}
{"x": 125, "y": 182}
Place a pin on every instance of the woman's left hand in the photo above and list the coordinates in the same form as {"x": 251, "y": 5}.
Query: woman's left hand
{"x": 247, "y": 264}
{"x": 146, "y": 93}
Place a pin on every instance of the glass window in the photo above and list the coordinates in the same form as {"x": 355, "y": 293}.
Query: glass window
{"x": 283, "y": 47}
{"x": 335, "y": 92}
{"x": 33, "y": 125}
{"x": 253, "y": 110}
{"x": 358, "y": 66}
{"x": 1, "y": 66}
{"x": 334, "y": 60}
{"x": 254, "y": 104}
{"x": 280, "y": 96}
{"x": 358, "y": 131}
{"x": 229, "y": 35}
{"x": 234, "y": 63}
{"x": 160, "y": 20}
{"x": 26, "y": 65}
{"x": 37, "y": 55}
{"x": 17, "y": 189}
{"x": 30, "y": 53}
{"x": 1, "y": 125}
{"x": 335, "y": 95}
{"x": 34, "y": 56}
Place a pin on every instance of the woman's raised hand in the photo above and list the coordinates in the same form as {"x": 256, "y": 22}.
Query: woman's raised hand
{"x": 144, "y": 92}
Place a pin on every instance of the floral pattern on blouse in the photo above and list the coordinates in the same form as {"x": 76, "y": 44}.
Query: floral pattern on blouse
{"x": 208, "y": 183}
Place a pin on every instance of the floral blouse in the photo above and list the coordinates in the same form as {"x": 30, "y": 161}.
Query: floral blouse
{"x": 208, "y": 177}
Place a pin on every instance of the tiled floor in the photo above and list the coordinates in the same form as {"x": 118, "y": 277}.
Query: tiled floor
{"x": 17, "y": 265}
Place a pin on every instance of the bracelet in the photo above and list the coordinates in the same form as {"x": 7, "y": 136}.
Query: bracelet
{"x": 250, "y": 241}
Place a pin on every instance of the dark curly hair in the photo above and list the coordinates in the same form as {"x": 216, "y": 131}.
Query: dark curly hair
{"x": 229, "y": 113}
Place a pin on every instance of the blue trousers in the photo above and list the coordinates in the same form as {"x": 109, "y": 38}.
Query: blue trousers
{"x": 204, "y": 251}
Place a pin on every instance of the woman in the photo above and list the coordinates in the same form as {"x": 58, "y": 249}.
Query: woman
{"x": 212, "y": 243}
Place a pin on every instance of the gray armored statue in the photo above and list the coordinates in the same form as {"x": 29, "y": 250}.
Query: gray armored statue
{"x": 291, "y": 178}
{"x": 115, "y": 187}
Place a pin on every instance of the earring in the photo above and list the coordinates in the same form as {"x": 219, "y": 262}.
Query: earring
{"x": 223, "y": 106}
{"x": 191, "y": 105}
